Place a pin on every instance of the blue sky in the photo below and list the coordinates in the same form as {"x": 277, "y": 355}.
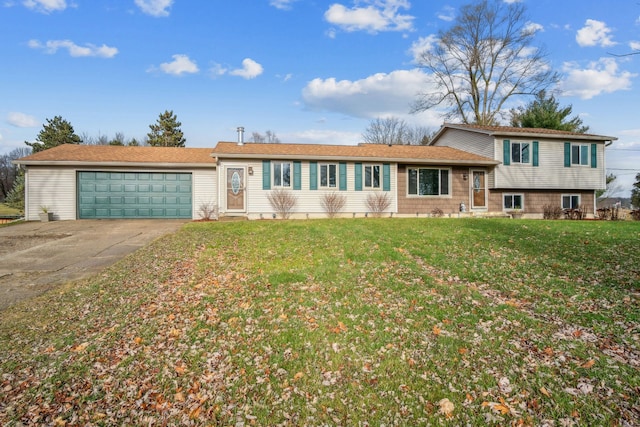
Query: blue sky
{"x": 311, "y": 71}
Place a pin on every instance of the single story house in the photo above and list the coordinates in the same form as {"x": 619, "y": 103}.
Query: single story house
{"x": 476, "y": 169}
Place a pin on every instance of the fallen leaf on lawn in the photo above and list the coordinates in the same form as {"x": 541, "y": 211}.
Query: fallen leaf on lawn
{"x": 297, "y": 376}
{"x": 462, "y": 350}
{"x": 436, "y": 330}
{"x": 588, "y": 363}
{"x": 80, "y": 347}
{"x": 137, "y": 340}
{"x": 545, "y": 391}
{"x": 446, "y": 407}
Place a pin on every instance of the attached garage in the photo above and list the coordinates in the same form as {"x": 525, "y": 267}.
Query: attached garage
{"x": 113, "y": 195}
{"x": 110, "y": 182}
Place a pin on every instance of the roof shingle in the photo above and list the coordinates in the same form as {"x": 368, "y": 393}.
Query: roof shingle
{"x": 364, "y": 152}
{"x": 73, "y": 153}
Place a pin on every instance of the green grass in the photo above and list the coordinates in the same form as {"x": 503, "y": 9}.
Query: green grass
{"x": 6, "y": 210}
{"x": 340, "y": 322}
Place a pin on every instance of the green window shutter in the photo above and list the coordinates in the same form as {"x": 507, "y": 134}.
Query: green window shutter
{"x": 536, "y": 161}
{"x": 343, "y": 176}
{"x": 297, "y": 175}
{"x": 506, "y": 152}
{"x": 358, "y": 175}
{"x": 594, "y": 156}
{"x": 567, "y": 154}
{"x": 313, "y": 175}
{"x": 386, "y": 177}
{"x": 266, "y": 175}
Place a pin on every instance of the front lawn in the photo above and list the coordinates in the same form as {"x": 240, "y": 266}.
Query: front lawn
{"x": 340, "y": 322}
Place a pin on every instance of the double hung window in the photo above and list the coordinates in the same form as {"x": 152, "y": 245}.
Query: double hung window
{"x": 282, "y": 174}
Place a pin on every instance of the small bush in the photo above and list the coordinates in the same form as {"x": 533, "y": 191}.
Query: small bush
{"x": 378, "y": 203}
{"x": 636, "y": 215}
{"x": 552, "y": 212}
{"x": 437, "y": 212}
{"x": 333, "y": 203}
{"x": 208, "y": 211}
{"x": 283, "y": 202}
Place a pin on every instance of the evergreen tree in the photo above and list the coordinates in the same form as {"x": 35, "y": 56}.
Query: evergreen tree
{"x": 545, "y": 112}
{"x": 635, "y": 193}
{"x": 15, "y": 197}
{"x": 56, "y": 132}
{"x": 166, "y": 132}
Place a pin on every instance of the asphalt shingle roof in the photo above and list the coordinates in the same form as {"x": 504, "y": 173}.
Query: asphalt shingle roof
{"x": 364, "y": 152}
{"x": 73, "y": 153}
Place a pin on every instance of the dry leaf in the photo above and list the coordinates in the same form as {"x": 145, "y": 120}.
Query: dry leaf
{"x": 298, "y": 375}
{"x": 588, "y": 364}
{"x": 545, "y": 391}
{"x": 436, "y": 330}
{"x": 446, "y": 407}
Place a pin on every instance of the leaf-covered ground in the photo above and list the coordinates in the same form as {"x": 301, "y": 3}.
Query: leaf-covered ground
{"x": 341, "y": 322}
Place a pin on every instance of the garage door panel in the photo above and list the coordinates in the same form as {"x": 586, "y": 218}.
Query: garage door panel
{"x": 134, "y": 195}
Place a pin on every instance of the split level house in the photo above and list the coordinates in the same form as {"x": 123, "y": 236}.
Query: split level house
{"x": 466, "y": 170}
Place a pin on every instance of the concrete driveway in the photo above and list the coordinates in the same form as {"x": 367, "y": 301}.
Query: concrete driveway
{"x": 37, "y": 256}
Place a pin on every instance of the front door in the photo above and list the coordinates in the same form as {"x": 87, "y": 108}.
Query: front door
{"x": 478, "y": 190}
{"x": 235, "y": 190}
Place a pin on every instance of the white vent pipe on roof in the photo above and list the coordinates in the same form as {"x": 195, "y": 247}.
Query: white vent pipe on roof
{"x": 240, "y": 135}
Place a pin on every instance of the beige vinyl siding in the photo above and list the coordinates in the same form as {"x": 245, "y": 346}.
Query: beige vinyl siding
{"x": 471, "y": 142}
{"x": 51, "y": 187}
{"x": 308, "y": 201}
{"x": 551, "y": 172}
{"x": 204, "y": 186}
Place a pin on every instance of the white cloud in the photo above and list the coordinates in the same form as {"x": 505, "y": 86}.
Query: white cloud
{"x": 421, "y": 45}
{"x": 602, "y": 76}
{"x": 594, "y": 33}
{"x": 635, "y": 45}
{"x": 88, "y": 50}
{"x": 45, "y": 6}
{"x": 375, "y": 16}
{"x": 250, "y": 69}
{"x": 282, "y": 4}
{"x": 181, "y": 64}
{"x": 21, "y": 120}
{"x": 157, "y": 8}
{"x": 379, "y": 95}
{"x": 447, "y": 14}
{"x": 533, "y": 27}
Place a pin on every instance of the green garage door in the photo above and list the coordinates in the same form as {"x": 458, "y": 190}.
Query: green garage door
{"x": 134, "y": 195}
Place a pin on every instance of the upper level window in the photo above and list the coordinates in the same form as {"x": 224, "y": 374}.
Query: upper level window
{"x": 520, "y": 152}
{"x": 372, "y": 176}
{"x": 580, "y": 154}
{"x": 328, "y": 175}
{"x": 281, "y": 174}
{"x": 428, "y": 182}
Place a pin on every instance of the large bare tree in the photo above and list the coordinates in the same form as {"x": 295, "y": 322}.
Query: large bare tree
{"x": 395, "y": 131}
{"x": 484, "y": 59}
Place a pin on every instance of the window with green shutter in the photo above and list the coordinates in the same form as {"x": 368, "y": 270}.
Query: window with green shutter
{"x": 358, "y": 176}
{"x": 313, "y": 175}
{"x": 266, "y": 175}
{"x": 297, "y": 175}
{"x": 343, "y": 176}
{"x": 506, "y": 152}
{"x": 386, "y": 177}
